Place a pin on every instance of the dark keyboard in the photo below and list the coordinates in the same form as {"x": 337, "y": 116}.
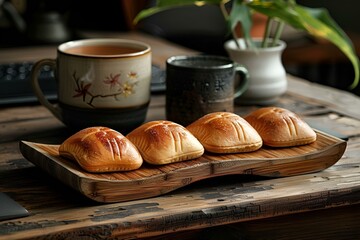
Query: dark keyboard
{"x": 158, "y": 79}
{"x": 15, "y": 85}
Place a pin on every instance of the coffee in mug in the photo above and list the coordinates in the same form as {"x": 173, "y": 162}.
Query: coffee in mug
{"x": 101, "y": 50}
{"x": 101, "y": 82}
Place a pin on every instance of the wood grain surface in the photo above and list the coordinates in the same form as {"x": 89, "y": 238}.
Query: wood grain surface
{"x": 150, "y": 180}
{"x": 321, "y": 205}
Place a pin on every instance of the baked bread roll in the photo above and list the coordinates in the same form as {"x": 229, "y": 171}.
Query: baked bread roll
{"x": 101, "y": 149}
{"x": 225, "y": 132}
{"x": 163, "y": 142}
{"x": 279, "y": 127}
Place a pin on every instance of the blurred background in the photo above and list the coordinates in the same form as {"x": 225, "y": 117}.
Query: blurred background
{"x": 43, "y": 22}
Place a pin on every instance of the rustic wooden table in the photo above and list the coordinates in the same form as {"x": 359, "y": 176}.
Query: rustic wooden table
{"x": 321, "y": 205}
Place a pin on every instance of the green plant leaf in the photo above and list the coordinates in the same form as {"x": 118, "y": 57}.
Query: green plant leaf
{"x": 166, "y": 3}
{"x": 323, "y": 15}
{"x": 162, "y": 5}
{"x": 147, "y": 13}
{"x": 241, "y": 13}
{"x": 321, "y": 20}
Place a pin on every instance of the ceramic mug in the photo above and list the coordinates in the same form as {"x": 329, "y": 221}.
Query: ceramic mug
{"x": 100, "y": 82}
{"x": 197, "y": 85}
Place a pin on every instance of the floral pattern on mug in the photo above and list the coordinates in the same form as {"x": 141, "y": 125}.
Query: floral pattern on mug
{"x": 112, "y": 80}
{"x": 126, "y": 87}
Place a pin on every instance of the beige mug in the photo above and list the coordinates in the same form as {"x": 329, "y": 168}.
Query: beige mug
{"x": 100, "y": 82}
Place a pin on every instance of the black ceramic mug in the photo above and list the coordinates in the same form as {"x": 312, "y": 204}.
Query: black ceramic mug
{"x": 197, "y": 85}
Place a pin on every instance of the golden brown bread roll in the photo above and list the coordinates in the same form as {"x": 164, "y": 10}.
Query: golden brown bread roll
{"x": 279, "y": 127}
{"x": 163, "y": 142}
{"x": 225, "y": 132}
{"x": 101, "y": 149}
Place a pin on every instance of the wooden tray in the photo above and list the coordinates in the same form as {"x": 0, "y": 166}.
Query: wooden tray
{"x": 149, "y": 181}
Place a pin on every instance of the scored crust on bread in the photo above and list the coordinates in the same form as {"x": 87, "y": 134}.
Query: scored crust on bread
{"x": 101, "y": 149}
{"x": 225, "y": 132}
{"x": 162, "y": 142}
{"x": 279, "y": 127}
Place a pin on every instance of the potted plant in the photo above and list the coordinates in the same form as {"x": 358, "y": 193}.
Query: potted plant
{"x": 315, "y": 21}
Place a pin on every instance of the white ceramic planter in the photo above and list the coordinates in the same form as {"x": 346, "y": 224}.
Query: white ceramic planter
{"x": 267, "y": 80}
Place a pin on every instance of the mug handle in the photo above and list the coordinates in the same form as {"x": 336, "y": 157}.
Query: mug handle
{"x": 244, "y": 82}
{"x": 37, "y": 89}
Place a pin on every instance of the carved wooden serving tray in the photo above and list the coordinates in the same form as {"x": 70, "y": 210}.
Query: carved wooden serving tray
{"x": 150, "y": 181}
